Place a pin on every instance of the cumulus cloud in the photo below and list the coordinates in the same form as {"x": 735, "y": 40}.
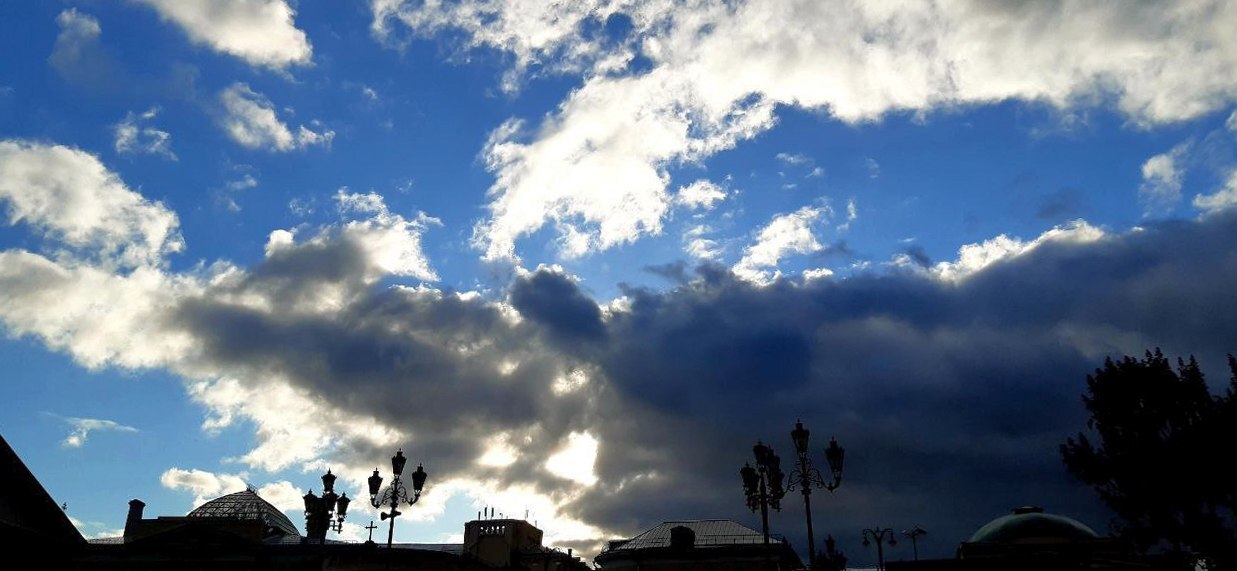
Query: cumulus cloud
{"x": 786, "y": 234}
{"x": 251, "y": 121}
{"x": 702, "y": 194}
{"x": 206, "y": 486}
{"x": 135, "y": 137}
{"x": 1162, "y": 179}
{"x": 70, "y": 197}
{"x": 82, "y": 427}
{"x": 950, "y": 386}
{"x": 712, "y": 76}
{"x": 261, "y": 32}
{"x": 518, "y": 396}
{"x": 975, "y": 257}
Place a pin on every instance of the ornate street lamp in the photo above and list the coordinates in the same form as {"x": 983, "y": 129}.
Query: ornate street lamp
{"x": 914, "y": 534}
{"x": 762, "y": 485}
{"x": 805, "y": 477}
{"x": 881, "y": 537}
{"x": 392, "y": 495}
{"x": 325, "y": 513}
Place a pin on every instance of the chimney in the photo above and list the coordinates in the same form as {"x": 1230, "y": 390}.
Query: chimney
{"x": 135, "y": 516}
{"x": 682, "y": 537}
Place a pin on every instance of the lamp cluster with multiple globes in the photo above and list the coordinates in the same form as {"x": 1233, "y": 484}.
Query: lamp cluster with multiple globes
{"x": 395, "y": 493}
{"x": 763, "y": 483}
{"x": 326, "y": 512}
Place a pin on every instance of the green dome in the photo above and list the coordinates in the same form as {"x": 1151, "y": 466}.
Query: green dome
{"x": 1031, "y": 524}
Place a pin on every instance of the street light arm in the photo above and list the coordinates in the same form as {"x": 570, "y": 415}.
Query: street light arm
{"x": 805, "y": 478}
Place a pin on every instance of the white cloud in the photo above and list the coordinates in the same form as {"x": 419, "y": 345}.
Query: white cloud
{"x": 77, "y": 31}
{"x": 852, "y": 214}
{"x": 700, "y": 194}
{"x": 261, "y": 32}
{"x": 533, "y": 31}
{"x": 393, "y": 242}
{"x": 716, "y": 73}
{"x": 96, "y": 316}
{"x": 78, "y": 55}
{"x": 700, "y": 247}
{"x": 974, "y": 257}
{"x": 251, "y": 121}
{"x": 784, "y": 235}
{"x": 1162, "y": 177}
{"x": 69, "y": 196}
{"x": 598, "y": 172}
{"x": 1221, "y": 199}
{"x": 206, "y": 486}
{"x": 796, "y": 159}
{"x": 816, "y": 274}
{"x": 575, "y": 459}
{"x": 874, "y": 168}
{"x": 132, "y": 137}
{"x": 82, "y": 427}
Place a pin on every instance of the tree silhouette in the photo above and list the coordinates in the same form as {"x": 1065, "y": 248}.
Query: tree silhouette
{"x": 1162, "y": 456}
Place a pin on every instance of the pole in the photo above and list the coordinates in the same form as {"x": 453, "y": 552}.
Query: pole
{"x": 880, "y": 553}
{"x": 764, "y": 517}
{"x": 807, "y": 507}
{"x": 915, "y": 545}
{"x": 764, "y": 509}
{"x": 394, "y": 504}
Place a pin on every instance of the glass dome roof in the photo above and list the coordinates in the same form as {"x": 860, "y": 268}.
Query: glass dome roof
{"x": 248, "y": 505}
{"x": 1031, "y": 524}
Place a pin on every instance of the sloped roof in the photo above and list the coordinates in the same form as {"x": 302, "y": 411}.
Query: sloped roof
{"x": 248, "y": 505}
{"x": 709, "y": 532}
{"x": 27, "y": 512}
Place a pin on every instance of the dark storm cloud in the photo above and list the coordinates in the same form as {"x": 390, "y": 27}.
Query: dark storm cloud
{"x": 950, "y": 397}
{"x": 553, "y": 301}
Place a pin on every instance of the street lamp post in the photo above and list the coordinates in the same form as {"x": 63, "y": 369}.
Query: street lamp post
{"x": 881, "y": 537}
{"x": 392, "y": 495}
{"x": 914, "y": 534}
{"x": 326, "y": 512}
{"x": 806, "y": 477}
{"x": 762, "y": 485}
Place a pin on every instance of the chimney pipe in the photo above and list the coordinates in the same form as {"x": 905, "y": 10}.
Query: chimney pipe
{"x": 135, "y": 516}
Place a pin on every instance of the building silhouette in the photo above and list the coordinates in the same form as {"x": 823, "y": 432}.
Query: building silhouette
{"x": 698, "y": 545}
{"x": 242, "y": 531}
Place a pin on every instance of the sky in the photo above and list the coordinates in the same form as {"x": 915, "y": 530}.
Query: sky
{"x": 576, "y": 258}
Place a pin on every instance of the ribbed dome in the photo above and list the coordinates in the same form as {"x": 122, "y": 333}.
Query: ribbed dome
{"x": 248, "y": 505}
{"x": 1032, "y": 525}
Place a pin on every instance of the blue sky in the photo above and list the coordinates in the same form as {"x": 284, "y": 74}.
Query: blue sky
{"x": 553, "y": 252}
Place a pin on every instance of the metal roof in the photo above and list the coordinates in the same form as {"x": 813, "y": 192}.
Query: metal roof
{"x": 709, "y": 532}
{"x": 248, "y": 505}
